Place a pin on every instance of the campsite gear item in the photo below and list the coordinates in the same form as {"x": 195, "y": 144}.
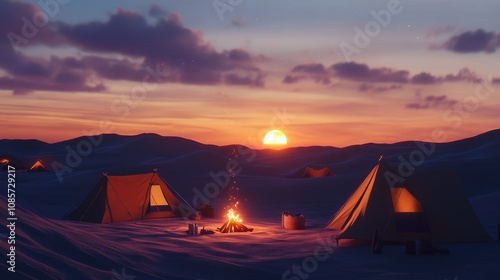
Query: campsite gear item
{"x": 427, "y": 247}
{"x": 293, "y": 222}
{"x": 207, "y": 211}
{"x": 193, "y": 229}
{"x": 206, "y": 231}
{"x": 410, "y": 247}
{"x": 411, "y": 207}
{"x": 413, "y": 247}
{"x": 376, "y": 244}
{"x": 418, "y": 247}
{"x": 195, "y": 216}
{"x": 130, "y": 197}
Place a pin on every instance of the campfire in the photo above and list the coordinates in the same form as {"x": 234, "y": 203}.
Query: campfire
{"x": 233, "y": 223}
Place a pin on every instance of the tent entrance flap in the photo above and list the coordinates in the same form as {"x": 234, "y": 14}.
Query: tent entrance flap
{"x": 157, "y": 200}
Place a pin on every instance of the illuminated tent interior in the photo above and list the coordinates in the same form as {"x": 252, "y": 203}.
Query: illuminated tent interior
{"x": 37, "y": 167}
{"x": 426, "y": 205}
{"x": 130, "y": 197}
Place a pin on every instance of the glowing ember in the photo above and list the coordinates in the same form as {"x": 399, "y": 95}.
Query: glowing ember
{"x": 4, "y": 161}
{"x": 233, "y": 223}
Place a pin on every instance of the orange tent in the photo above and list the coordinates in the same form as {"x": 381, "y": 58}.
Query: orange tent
{"x": 37, "y": 167}
{"x": 424, "y": 205}
{"x": 6, "y": 160}
{"x": 130, "y": 197}
{"x": 314, "y": 173}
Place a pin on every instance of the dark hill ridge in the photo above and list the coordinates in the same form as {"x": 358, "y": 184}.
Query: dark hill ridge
{"x": 26, "y": 148}
{"x": 144, "y": 147}
{"x": 177, "y": 146}
{"x": 476, "y": 159}
{"x": 118, "y": 143}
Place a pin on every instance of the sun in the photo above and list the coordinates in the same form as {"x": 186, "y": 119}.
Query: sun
{"x": 275, "y": 137}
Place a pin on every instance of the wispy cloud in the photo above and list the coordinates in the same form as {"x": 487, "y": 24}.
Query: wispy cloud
{"x": 431, "y": 102}
{"x": 315, "y": 71}
{"x": 362, "y": 73}
{"x": 378, "y": 88}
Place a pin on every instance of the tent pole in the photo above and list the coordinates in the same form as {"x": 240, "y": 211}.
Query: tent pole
{"x": 149, "y": 192}
{"x": 392, "y": 214}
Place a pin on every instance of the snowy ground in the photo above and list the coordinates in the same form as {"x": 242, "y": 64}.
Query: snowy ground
{"x": 52, "y": 248}
{"x": 160, "y": 249}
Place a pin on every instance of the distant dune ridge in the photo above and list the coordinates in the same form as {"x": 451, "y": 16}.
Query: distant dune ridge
{"x": 268, "y": 184}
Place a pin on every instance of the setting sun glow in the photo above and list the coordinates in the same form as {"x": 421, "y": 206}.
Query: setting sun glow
{"x": 275, "y": 137}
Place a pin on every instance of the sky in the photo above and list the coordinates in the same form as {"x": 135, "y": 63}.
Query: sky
{"x": 331, "y": 73}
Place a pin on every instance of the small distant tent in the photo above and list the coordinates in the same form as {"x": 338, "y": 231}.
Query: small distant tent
{"x": 310, "y": 172}
{"x": 6, "y": 160}
{"x": 130, "y": 197}
{"x": 424, "y": 205}
{"x": 37, "y": 167}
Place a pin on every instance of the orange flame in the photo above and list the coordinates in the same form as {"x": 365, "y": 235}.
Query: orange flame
{"x": 232, "y": 216}
{"x": 4, "y": 161}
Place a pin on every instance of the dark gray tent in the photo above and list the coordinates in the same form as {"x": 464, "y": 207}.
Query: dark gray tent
{"x": 425, "y": 205}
